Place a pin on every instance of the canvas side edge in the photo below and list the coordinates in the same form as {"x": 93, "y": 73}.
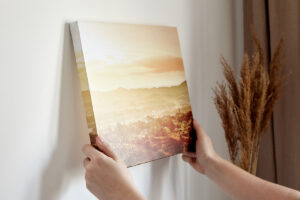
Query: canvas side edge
{"x": 85, "y": 93}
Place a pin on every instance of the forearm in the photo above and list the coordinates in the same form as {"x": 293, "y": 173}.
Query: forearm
{"x": 240, "y": 185}
{"x": 133, "y": 194}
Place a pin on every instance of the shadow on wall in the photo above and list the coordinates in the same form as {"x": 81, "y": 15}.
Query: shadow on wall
{"x": 67, "y": 159}
{"x": 167, "y": 179}
{"x": 72, "y": 133}
{"x": 158, "y": 170}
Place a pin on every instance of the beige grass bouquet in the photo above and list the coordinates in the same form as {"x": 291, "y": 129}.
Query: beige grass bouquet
{"x": 245, "y": 104}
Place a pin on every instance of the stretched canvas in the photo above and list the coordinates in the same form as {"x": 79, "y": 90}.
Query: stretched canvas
{"x": 134, "y": 88}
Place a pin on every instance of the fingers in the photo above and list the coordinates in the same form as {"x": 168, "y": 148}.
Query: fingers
{"x": 106, "y": 148}
{"x": 188, "y": 159}
{"x": 105, "y": 151}
{"x": 193, "y": 163}
{"x": 190, "y": 154}
{"x": 89, "y": 151}
{"x": 199, "y": 130}
{"x": 86, "y": 162}
{"x": 195, "y": 125}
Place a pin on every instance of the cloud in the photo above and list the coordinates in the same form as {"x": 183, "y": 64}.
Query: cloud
{"x": 162, "y": 64}
{"x": 154, "y": 71}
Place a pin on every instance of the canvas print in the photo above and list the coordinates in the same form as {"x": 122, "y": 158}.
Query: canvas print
{"x": 134, "y": 88}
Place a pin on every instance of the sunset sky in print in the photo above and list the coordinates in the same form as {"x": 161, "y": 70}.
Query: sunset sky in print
{"x": 130, "y": 56}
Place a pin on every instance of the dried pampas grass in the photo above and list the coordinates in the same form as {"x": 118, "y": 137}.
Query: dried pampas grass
{"x": 246, "y": 105}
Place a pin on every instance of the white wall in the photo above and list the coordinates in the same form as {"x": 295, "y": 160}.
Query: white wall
{"x": 42, "y": 122}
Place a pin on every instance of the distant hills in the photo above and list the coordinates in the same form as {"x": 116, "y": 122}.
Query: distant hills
{"x": 127, "y": 105}
{"x": 176, "y": 87}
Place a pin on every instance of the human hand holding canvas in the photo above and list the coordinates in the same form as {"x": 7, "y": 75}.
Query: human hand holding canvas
{"x": 107, "y": 176}
{"x": 234, "y": 181}
{"x": 205, "y": 152}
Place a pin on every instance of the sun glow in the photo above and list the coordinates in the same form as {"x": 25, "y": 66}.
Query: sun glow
{"x": 131, "y": 56}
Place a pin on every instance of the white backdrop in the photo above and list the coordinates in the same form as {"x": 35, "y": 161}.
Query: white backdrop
{"x": 42, "y": 122}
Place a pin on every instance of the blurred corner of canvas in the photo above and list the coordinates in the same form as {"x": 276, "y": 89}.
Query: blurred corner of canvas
{"x": 134, "y": 88}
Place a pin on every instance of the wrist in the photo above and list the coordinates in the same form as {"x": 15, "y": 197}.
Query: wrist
{"x": 133, "y": 194}
{"x": 211, "y": 164}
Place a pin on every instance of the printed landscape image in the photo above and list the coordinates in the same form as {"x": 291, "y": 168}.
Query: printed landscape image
{"x": 134, "y": 89}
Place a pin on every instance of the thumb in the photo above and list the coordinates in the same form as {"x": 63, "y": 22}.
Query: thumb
{"x": 193, "y": 162}
{"x": 198, "y": 129}
{"x": 106, "y": 148}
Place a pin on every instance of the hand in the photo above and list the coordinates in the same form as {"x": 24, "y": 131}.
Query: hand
{"x": 107, "y": 177}
{"x": 205, "y": 152}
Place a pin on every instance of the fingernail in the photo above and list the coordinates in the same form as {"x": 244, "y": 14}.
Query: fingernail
{"x": 99, "y": 140}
